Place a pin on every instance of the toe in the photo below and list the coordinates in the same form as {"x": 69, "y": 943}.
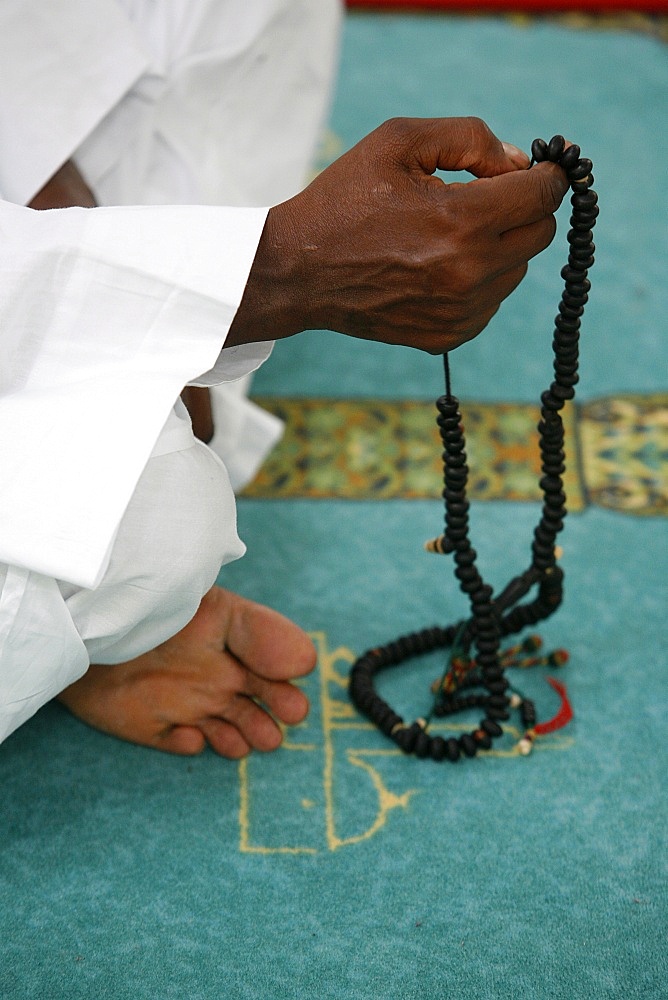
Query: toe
{"x": 256, "y": 726}
{"x": 269, "y": 644}
{"x": 287, "y": 703}
{"x": 186, "y": 740}
{"x": 225, "y": 739}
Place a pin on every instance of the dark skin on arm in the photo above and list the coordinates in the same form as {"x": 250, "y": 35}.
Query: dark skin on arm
{"x": 376, "y": 247}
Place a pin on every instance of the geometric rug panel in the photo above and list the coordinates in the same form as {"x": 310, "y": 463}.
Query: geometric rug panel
{"x": 374, "y": 449}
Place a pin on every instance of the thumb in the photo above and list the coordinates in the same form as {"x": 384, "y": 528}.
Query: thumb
{"x": 465, "y": 144}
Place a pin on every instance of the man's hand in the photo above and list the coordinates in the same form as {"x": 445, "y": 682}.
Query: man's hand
{"x": 379, "y": 248}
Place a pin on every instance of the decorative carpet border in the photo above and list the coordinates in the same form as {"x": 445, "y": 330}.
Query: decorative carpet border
{"x": 371, "y": 449}
{"x": 533, "y": 6}
{"x": 623, "y": 15}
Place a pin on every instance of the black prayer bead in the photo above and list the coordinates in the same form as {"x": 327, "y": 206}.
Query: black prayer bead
{"x": 555, "y": 147}
{"x": 569, "y": 157}
{"x": 390, "y": 722}
{"x": 539, "y": 150}
{"x": 483, "y": 739}
{"x": 491, "y": 727}
{"x": 493, "y": 674}
{"x": 405, "y": 738}
{"x": 499, "y": 713}
{"x": 582, "y": 255}
{"x": 382, "y": 712}
{"x": 528, "y": 712}
{"x": 574, "y": 301}
{"x": 585, "y": 201}
{"x": 582, "y": 169}
{"x": 577, "y": 238}
{"x": 422, "y": 744}
{"x": 487, "y": 645}
{"x": 468, "y": 745}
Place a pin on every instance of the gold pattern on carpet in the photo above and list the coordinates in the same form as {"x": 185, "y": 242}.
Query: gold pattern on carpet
{"x": 364, "y": 449}
{"x": 341, "y": 790}
{"x": 624, "y": 444}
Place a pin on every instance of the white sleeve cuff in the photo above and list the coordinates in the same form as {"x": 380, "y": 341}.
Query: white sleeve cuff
{"x": 107, "y": 314}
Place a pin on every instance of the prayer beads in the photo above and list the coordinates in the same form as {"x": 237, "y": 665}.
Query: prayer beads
{"x": 494, "y": 617}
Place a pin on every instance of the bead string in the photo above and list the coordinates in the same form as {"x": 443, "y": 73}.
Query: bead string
{"x": 479, "y": 681}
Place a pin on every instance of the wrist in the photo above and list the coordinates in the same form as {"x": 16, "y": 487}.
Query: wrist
{"x": 273, "y": 304}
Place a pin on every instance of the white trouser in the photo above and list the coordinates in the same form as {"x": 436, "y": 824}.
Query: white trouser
{"x": 178, "y": 530}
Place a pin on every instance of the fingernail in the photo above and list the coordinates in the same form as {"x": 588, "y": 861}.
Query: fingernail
{"x": 519, "y": 158}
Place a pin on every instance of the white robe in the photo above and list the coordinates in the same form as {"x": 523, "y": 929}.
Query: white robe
{"x": 107, "y": 313}
{"x": 214, "y": 102}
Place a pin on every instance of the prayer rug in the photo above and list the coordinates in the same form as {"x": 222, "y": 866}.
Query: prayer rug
{"x": 336, "y": 868}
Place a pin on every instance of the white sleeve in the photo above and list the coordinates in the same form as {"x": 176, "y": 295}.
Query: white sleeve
{"x": 64, "y": 64}
{"x": 106, "y": 314}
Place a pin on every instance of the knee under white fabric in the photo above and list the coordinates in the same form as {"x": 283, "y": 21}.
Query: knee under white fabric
{"x": 178, "y": 530}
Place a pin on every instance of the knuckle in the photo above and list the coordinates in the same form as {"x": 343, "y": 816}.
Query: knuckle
{"x": 397, "y": 136}
{"x": 475, "y": 124}
{"x": 397, "y": 128}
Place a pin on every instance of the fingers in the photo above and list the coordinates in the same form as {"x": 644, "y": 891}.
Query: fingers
{"x": 504, "y": 285}
{"x": 489, "y": 297}
{"x": 542, "y": 188}
{"x": 525, "y": 242}
{"x": 454, "y": 144}
{"x": 510, "y": 195}
{"x": 510, "y": 200}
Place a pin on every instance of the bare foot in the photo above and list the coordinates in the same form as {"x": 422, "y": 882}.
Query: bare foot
{"x": 223, "y": 679}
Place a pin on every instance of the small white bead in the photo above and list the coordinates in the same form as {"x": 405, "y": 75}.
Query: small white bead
{"x": 525, "y": 747}
{"x": 515, "y": 701}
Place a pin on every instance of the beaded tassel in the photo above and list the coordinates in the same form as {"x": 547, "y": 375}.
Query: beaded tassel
{"x": 535, "y": 730}
{"x": 493, "y": 617}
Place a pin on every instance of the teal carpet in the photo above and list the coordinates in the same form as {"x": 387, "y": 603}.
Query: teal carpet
{"x": 336, "y": 868}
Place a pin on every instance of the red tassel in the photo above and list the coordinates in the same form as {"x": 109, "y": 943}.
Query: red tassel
{"x": 563, "y": 716}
